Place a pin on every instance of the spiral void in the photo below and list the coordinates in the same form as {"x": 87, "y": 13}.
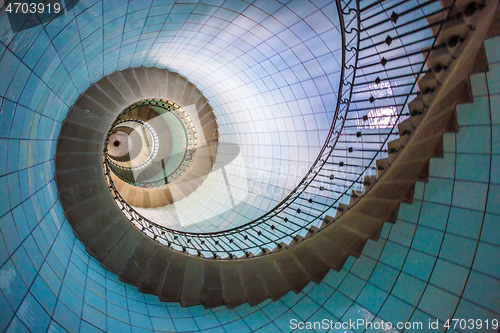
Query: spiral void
{"x": 238, "y": 152}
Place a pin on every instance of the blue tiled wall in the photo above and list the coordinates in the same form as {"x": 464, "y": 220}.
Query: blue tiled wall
{"x": 439, "y": 261}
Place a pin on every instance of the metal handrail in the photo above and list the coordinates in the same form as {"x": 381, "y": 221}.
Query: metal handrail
{"x": 371, "y": 102}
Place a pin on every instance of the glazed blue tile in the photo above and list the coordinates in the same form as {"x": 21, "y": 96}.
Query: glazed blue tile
{"x": 8, "y": 227}
{"x": 449, "y": 144}
{"x": 438, "y": 302}
{"x": 408, "y": 288}
{"x": 118, "y": 312}
{"x": 157, "y": 310}
{"x": 50, "y": 278}
{"x": 372, "y": 298}
{"x": 8, "y": 66}
{"x": 66, "y": 318}
{"x": 420, "y": 318}
{"x": 188, "y": 324}
{"x": 338, "y": 304}
{"x": 4, "y": 254}
{"x": 207, "y": 321}
{"x": 77, "y": 273}
{"x": 6, "y": 314}
{"x": 402, "y": 233}
{"x": 291, "y": 299}
{"x": 305, "y": 308}
{"x": 33, "y": 252}
{"x": 428, "y": 240}
{"x": 465, "y": 222}
{"x": 351, "y": 286}
{"x": 245, "y": 309}
{"x": 493, "y": 77}
{"x": 95, "y": 288}
{"x": 56, "y": 265}
{"x": 55, "y": 328}
{"x": 87, "y": 328}
{"x": 449, "y": 276}
{"x": 495, "y": 165}
{"x": 16, "y": 128}
{"x": 439, "y": 190}
{"x": 384, "y": 277}
{"x": 138, "y": 307}
{"x": 469, "y": 195}
{"x": 99, "y": 279}
{"x": 491, "y": 229}
{"x": 458, "y": 250}
{"x": 467, "y": 309}
{"x": 33, "y": 315}
{"x": 273, "y": 310}
{"x": 486, "y": 255}
{"x": 349, "y": 262}
{"x": 18, "y": 82}
{"x": 394, "y": 310}
{"x": 117, "y": 326}
{"x": 162, "y": 324}
{"x": 140, "y": 320}
{"x": 29, "y": 212}
{"x": 492, "y": 49}
{"x": 374, "y": 249}
{"x": 321, "y": 321}
{"x": 356, "y": 314}
{"x": 132, "y": 292}
{"x": 16, "y": 326}
{"x": 478, "y": 85}
{"x": 283, "y": 322}
{"x": 21, "y": 222}
{"x": 434, "y": 215}
{"x": 254, "y": 321}
{"x": 419, "y": 264}
{"x": 320, "y": 293}
{"x": 224, "y": 316}
{"x": 71, "y": 300}
{"x": 140, "y": 330}
{"x": 117, "y": 288}
{"x": 494, "y": 199}
{"x": 473, "y": 167}
{"x": 476, "y": 113}
{"x": 95, "y": 301}
{"x": 442, "y": 167}
{"x": 475, "y": 140}
{"x": 24, "y": 265}
{"x": 94, "y": 317}
{"x": 394, "y": 255}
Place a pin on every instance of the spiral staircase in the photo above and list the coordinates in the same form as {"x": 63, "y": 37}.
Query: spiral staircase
{"x": 140, "y": 259}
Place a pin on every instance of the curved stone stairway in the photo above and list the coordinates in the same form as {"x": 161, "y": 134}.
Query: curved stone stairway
{"x": 190, "y": 280}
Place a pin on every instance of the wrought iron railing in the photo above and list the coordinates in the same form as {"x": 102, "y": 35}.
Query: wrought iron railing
{"x": 384, "y": 50}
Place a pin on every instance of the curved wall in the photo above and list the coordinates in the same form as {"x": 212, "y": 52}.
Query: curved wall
{"x": 269, "y": 70}
{"x": 439, "y": 260}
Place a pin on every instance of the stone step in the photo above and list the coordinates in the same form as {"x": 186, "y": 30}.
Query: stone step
{"x": 172, "y": 284}
{"x": 255, "y": 291}
{"x": 123, "y": 250}
{"x": 276, "y": 284}
{"x": 232, "y": 286}
{"x": 133, "y": 270}
{"x": 213, "y": 292}
{"x": 154, "y": 272}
